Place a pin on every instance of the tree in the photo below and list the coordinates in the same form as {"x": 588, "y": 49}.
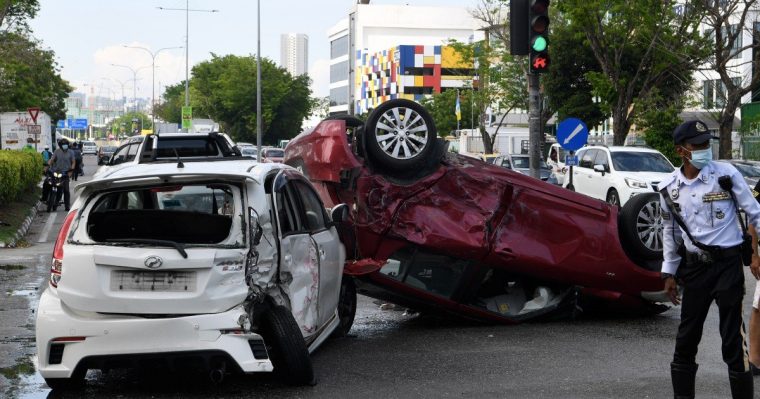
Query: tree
{"x": 29, "y": 77}
{"x": 14, "y": 14}
{"x": 639, "y": 46}
{"x": 170, "y": 109}
{"x": 728, "y": 21}
{"x": 442, "y": 108}
{"x": 131, "y": 121}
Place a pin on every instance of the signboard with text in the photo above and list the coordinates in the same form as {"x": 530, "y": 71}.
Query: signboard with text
{"x": 187, "y": 117}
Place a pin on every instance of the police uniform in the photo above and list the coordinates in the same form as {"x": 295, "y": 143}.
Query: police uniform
{"x": 756, "y": 297}
{"x": 711, "y": 217}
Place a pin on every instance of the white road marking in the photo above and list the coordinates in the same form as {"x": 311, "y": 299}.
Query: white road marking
{"x": 574, "y": 133}
{"x": 48, "y": 226}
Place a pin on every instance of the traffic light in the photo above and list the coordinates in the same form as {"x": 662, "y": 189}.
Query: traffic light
{"x": 518, "y": 27}
{"x": 538, "y": 34}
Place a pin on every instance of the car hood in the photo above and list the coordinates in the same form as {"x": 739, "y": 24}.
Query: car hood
{"x": 649, "y": 177}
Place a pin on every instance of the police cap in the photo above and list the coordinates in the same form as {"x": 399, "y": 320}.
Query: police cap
{"x": 692, "y": 132}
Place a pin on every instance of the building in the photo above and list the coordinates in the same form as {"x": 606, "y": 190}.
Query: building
{"x": 294, "y": 53}
{"x": 368, "y": 30}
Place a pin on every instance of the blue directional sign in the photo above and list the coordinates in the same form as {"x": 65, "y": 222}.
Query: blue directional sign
{"x": 61, "y": 124}
{"x": 571, "y": 160}
{"x": 78, "y": 124}
{"x": 572, "y": 134}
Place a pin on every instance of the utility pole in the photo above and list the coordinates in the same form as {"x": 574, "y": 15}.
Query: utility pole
{"x": 258, "y": 81}
{"x": 134, "y": 82}
{"x": 534, "y": 125}
{"x": 153, "y": 81}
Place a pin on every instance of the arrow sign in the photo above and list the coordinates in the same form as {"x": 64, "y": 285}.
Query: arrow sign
{"x": 33, "y": 112}
{"x": 572, "y": 134}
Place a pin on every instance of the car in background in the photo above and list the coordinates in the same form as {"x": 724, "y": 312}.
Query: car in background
{"x": 104, "y": 153}
{"x": 618, "y": 173}
{"x": 449, "y": 234}
{"x": 521, "y": 163}
{"x": 222, "y": 266}
{"x": 242, "y": 145}
{"x": 556, "y": 161}
{"x": 89, "y": 147}
{"x": 248, "y": 152}
{"x": 488, "y": 158}
{"x": 750, "y": 170}
{"x": 271, "y": 154}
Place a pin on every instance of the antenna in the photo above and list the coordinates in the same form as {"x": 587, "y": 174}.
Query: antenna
{"x": 179, "y": 161}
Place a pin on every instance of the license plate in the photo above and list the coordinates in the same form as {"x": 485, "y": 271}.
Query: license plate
{"x": 153, "y": 281}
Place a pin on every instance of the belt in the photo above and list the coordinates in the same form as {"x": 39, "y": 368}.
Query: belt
{"x": 715, "y": 254}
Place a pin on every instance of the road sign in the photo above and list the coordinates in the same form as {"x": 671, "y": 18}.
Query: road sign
{"x": 33, "y": 112}
{"x": 571, "y": 160}
{"x": 78, "y": 124}
{"x": 572, "y": 134}
{"x": 187, "y": 117}
{"x": 34, "y": 129}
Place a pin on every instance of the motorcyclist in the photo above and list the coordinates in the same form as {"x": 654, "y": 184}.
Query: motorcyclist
{"x": 63, "y": 161}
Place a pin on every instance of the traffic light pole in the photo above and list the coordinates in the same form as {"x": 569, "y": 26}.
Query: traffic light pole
{"x": 534, "y": 125}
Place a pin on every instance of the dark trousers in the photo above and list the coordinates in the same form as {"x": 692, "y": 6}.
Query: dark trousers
{"x": 66, "y": 193}
{"x": 721, "y": 281}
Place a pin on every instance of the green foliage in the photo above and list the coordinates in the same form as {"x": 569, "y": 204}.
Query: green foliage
{"x": 20, "y": 171}
{"x": 29, "y": 77}
{"x": 442, "y": 108}
{"x": 14, "y": 14}
{"x": 126, "y": 121}
{"x": 170, "y": 109}
{"x": 224, "y": 89}
{"x": 658, "y": 118}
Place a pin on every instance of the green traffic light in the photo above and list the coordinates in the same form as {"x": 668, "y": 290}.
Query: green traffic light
{"x": 539, "y": 44}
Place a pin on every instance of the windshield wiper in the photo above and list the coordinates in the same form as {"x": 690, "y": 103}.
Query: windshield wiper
{"x": 179, "y": 247}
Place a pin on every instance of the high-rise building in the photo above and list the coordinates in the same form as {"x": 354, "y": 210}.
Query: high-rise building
{"x": 294, "y": 53}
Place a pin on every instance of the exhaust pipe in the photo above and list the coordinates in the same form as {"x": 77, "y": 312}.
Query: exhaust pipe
{"x": 217, "y": 373}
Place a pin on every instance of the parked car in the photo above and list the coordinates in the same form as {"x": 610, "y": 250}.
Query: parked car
{"x": 616, "y": 174}
{"x": 226, "y": 266}
{"x": 271, "y": 154}
{"x": 248, "y": 152}
{"x": 521, "y": 163}
{"x": 89, "y": 147}
{"x": 449, "y": 234}
{"x": 749, "y": 169}
{"x": 104, "y": 153}
{"x": 170, "y": 147}
{"x": 556, "y": 161}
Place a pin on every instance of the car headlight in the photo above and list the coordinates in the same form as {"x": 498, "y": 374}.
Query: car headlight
{"x": 633, "y": 183}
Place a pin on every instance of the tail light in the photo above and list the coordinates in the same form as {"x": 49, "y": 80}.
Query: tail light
{"x": 57, "y": 266}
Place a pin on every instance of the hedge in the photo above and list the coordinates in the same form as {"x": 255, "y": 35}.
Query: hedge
{"x": 20, "y": 171}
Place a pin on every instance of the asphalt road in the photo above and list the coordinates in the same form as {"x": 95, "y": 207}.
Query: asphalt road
{"x": 391, "y": 353}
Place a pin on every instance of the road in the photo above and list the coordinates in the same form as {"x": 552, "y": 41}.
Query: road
{"x": 390, "y": 353}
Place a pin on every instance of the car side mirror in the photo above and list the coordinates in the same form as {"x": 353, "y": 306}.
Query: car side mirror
{"x": 254, "y": 226}
{"x": 600, "y": 169}
{"x": 339, "y": 213}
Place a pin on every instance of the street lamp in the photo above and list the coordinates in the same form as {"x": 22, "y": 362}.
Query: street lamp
{"x": 134, "y": 79}
{"x": 258, "y": 79}
{"x": 153, "y": 80}
{"x": 187, "y": 43}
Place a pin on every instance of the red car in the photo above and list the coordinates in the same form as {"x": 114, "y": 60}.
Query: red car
{"x": 444, "y": 233}
{"x": 272, "y": 155}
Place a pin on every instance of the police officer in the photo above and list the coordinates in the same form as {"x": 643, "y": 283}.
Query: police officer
{"x": 714, "y": 272}
{"x": 63, "y": 161}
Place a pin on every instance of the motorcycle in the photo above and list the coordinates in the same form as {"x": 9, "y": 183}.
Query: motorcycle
{"x": 54, "y": 182}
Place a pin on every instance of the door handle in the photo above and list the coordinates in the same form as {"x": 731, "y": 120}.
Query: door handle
{"x": 321, "y": 253}
{"x": 287, "y": 259}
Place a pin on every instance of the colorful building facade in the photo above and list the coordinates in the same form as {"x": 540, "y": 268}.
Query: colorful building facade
{"x": 410, "y": 72}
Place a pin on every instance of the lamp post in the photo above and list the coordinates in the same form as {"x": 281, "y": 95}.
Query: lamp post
{"x": 134, "y": 79}
{"x": 187, "y": 43}
{"x": 258, "y": 80}
{"x": 153, "y": 80}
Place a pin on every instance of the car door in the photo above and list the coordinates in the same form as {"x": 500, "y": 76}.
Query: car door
{"x": 601, "y": 181}
{"x": 298, "y": 254}
{"x": 331, "y": 254}
{"x": 582, "y": 174}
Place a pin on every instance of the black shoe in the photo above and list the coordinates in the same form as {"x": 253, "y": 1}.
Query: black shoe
{"x": 741, "y": 384}
{"x": 754, "y": 369}
{"x": 682, "y": 376}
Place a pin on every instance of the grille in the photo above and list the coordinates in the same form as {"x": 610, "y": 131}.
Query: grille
{"x": 258, "y": 349}
{"x": 56, "y": 354}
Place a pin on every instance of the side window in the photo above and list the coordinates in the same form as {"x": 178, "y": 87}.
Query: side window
{"x": 314, "y": 210}
{"x": 132, "y": 152}
{"x": 120, "y": 155}
{"x": 505, "y": 163}
{"x": 287, "y": 211}
{"x": 587, "y": 159}
{"x": 602, "y": 159}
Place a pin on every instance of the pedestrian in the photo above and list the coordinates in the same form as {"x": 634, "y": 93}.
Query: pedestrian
{"x": 704, "y": 249}
{"x": 46, "y": 154}
{"x": 78, "y": 158}
{"x": 63, "y": 161}
{"x": 754, "y": 318}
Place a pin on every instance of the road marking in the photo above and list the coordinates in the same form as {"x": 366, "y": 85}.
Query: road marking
{"x": 574, "y": 133}
{"x": 48, "y": 226}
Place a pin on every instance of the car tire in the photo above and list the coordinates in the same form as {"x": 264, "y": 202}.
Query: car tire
{"x": 346, "y": 307}
{"x": 613, "y": 198}
{"x": 386, "y": 136}
{"x": 641, "y": 226}
{"x": 286, "y": 347}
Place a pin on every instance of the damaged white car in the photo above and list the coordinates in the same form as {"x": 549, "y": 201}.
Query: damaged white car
{"x": 214, "y": 266}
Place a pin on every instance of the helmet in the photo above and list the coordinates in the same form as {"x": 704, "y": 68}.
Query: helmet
{"x": 63, "y": 141}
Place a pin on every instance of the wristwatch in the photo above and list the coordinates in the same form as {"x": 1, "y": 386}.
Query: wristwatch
{"x": 665, "y": 276}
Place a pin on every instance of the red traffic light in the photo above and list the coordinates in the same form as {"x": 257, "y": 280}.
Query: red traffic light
{"x": 539, "y": 62}
{"x": 539, "y": 6}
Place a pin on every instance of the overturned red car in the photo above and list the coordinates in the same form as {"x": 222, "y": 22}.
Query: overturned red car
{"x": 441, "y": 232}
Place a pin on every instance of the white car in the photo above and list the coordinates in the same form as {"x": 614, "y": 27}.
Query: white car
{"x": 89, "y": 147}
{"x": 555, "y": 159}
{"x": 232, "y": 265}
{"x": 616, "y": 174}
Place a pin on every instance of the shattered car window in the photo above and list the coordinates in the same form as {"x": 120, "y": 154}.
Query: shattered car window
{"x": 434, "y": 273}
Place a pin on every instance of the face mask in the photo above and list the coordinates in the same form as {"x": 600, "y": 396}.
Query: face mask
{"x": 700, "y": 158}
{"x": 65, "y": 147}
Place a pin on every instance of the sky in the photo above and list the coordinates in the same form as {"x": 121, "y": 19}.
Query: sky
{"x": 88, "y": 36}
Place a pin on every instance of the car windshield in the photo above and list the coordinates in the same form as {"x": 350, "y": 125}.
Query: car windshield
{"x": 635, "y": 161}
{"x": 248, "y": 152}
{"x": 108, "y": 149}
{"x": 274, "y": 153}
{"x": 523, "y": 162}
{"x": 748, "y": 170}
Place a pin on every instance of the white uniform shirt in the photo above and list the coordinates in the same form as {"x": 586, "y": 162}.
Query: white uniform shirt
{"x": 707, "y": 210}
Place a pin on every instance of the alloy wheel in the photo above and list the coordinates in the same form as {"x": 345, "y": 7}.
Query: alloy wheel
{"x": 401, "y": 133}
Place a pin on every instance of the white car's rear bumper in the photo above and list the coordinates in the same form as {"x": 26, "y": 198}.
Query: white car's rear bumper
{"x": 98, "y": 338}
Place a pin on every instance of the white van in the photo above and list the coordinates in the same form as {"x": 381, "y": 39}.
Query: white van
{"x": 555, "y": 158}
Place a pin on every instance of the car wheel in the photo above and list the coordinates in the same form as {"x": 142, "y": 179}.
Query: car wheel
{"x": 400, "y": 136}
{"x": 641, "y": 226}
{"x": 286, "y": 346}
{"x": 613, "y": 198}
{"x": 346, "y": 307}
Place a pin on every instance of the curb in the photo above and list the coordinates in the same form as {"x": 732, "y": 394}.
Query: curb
{"x": 22, "y": 230}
